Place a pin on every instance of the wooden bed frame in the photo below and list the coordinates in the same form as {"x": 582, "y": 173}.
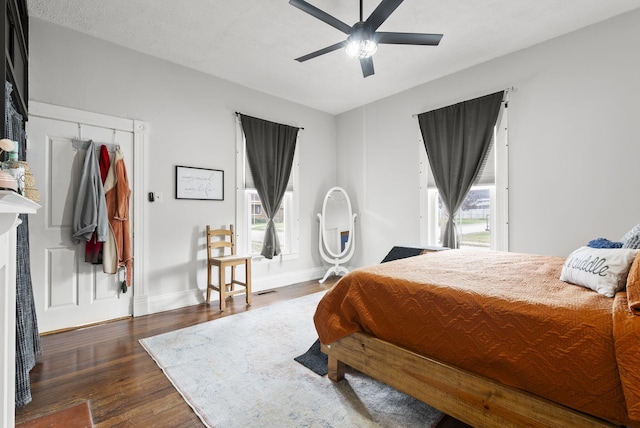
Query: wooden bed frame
{"x": 468, "y": 397}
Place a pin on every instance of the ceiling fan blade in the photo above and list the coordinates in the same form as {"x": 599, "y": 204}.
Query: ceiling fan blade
{"x": 367, "y": 66}
{"x": 408, "y": 38}
{"x": 381, "y": 13}
{"x": 321, "y": 15}
{"x": 321, "y": 52}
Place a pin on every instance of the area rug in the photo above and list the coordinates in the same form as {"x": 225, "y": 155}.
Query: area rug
{"x": 238, "y": 371}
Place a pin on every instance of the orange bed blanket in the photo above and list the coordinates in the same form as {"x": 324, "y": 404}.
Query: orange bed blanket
{"x": 505, "y": 316}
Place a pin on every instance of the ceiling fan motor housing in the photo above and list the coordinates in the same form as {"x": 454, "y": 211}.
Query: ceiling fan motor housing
{"x": 361, "y": 43}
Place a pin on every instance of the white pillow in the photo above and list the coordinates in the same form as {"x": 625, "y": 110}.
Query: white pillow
{"x": 601, "y": 269}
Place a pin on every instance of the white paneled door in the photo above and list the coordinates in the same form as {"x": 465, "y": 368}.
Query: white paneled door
{"x": 69, "y": 292}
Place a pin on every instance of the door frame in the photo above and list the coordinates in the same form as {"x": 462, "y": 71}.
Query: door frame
{"x": 140, "y": 132}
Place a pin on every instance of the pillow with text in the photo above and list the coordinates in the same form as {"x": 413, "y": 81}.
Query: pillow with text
{"x": 603, "y": 270}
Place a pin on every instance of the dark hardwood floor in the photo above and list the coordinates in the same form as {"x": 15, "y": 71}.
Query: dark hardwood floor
{"x": 105, "y": 365}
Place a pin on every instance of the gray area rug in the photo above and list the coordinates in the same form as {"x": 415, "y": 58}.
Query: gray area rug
{"x": 239, "y": 371}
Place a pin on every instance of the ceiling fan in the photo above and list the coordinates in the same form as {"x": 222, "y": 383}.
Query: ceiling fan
{"x": 363, "y": 38}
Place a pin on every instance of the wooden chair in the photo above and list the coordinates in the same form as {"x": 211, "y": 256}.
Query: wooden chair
{"x": 218, "y": 241}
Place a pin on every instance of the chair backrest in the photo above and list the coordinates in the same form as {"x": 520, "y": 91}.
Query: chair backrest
{"x": 218, "y": 240}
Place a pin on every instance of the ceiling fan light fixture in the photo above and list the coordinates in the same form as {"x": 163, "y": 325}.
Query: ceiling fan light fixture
{"x": 361, "y": 48}
{"x": 363, "y": 37}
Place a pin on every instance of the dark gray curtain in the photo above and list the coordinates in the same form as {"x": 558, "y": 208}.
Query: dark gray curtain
{"x": 457, "y": 139}
{"x": 28, "y": 346}
{"x": 270, "y": 150}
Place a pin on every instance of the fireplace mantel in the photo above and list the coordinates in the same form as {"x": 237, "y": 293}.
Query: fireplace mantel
{"x": 11, "y": 205}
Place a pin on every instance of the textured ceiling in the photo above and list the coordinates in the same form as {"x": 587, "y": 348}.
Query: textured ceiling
{"x": 254, "y": 42}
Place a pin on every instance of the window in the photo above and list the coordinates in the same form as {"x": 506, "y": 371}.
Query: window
{"x": 481, "y": 221}
{"x": 257, "y": 221}
{"x": 473, "y": 219}
{"x": 250, "y": 217}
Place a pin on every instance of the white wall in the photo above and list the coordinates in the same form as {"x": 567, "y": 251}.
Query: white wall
{"x": 192, "y": 121}
{"x": 574, "y": 144}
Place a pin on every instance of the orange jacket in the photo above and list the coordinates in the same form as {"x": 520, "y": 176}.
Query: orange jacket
{"x": 117, "y": 247}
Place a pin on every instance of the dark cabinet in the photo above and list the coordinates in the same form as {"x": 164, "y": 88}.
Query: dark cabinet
{"x": 15, "y": 39}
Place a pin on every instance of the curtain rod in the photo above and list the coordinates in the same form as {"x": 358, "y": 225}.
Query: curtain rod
{"x": 299, "y": 127}
{"x": 504, "y": 99}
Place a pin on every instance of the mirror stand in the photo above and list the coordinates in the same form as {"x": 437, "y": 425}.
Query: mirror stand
{"x": 336, "y": 235}
{"x": 336, "y": 269}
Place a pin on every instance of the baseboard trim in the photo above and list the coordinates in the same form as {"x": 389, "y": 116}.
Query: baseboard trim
{"x": 289, "y": 278}
{"x": 145, "y": 305}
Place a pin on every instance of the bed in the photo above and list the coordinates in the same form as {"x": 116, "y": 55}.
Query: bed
{"x": 492, "y": 339}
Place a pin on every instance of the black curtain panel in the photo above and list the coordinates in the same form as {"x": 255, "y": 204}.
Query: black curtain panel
{"x": 270, "y": 150}
{"x": 457, "y": 139}
{"x": 28, "y": 346}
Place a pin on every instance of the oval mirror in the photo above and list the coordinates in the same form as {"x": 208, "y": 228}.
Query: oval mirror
{"x": 337, "y": 224}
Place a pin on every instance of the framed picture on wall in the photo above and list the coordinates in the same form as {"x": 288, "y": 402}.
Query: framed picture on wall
{"x": 199, "y": 183}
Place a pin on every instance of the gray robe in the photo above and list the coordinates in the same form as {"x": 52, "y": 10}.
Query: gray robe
{"x": 90, "y": 213}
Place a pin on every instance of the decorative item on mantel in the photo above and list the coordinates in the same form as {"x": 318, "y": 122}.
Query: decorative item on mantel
{"x": 30, "y": 190}
{"x": 12, "y": 202}
{"x": 10, "y": 165}
{"x": 28, "y": 182}
{"x": 8, "y": 181}
{"x": 6, "y": 145}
